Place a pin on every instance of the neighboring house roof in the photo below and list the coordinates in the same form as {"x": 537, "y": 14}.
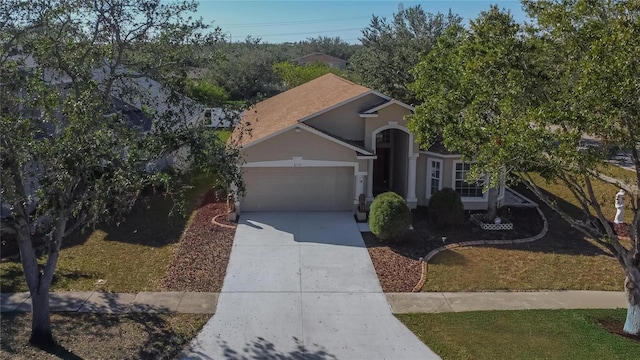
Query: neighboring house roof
{"x": 146, "y": 93}
{"x": 278, "y": 113}
{"x": 220, "y": 118}
{"x": 320, "y": 57}
{"x": 134, "y": 116}
{"x": 141, "y": 91}
{"x": 49, "y": 76}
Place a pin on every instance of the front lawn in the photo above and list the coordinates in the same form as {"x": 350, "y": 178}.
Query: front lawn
{"x": 605, "y": 193}
{"x": 102, "y": 336}
{"x": 528, "y": 334}
{"x": 563, "y": 259}
{"x": 131, "y": 257}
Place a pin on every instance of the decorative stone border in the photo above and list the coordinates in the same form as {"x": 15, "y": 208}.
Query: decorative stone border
{"x": 215, "y": 222}
{"x": 490, "y": 226}
{"x": 424, "y": 261}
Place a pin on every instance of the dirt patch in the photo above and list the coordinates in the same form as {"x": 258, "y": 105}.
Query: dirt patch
{"x": 397, "y": 264}
{"x": 615, "y": 327}
{"x": 102, "y": 336}
{"x": 200, "y": 262}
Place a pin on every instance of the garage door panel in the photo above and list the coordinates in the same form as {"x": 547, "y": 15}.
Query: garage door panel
{"x": 298, "y": 188}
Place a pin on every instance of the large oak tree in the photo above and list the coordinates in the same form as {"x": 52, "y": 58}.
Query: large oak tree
{"x": 525, "y": 101}
{"x": 71, "y": 153}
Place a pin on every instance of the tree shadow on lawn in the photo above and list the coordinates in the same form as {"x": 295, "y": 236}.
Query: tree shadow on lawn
{"x": 13, "y": 278}
{"x": 15, "y": 335}
{"x": 561, "y": 237}
{"x": 150, "y": 334}
{"x": 154, "y": 221}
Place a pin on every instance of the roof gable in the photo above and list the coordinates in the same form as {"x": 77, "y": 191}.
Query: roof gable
{"x": 374, "y": 110}
{"x": 298, "y": 104}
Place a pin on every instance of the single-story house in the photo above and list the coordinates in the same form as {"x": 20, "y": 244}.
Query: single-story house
{"x": 318, "y": 146}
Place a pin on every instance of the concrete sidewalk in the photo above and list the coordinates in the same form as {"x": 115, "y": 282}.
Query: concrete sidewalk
{"x": 400, "y": 303}
{"x": 117, "y": 303}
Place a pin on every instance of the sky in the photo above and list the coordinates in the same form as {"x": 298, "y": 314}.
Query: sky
{"x": 278, "y": 21}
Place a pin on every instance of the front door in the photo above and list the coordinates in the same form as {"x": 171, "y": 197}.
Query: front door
{"x": 382, "y": 171}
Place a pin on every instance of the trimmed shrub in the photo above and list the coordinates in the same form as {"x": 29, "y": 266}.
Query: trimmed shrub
{"x": 445, "y": 208}
{"x": 389, "y": 217}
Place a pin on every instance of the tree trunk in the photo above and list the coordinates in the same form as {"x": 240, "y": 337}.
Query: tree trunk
{"x": 41, "y": 335}
{"x": 632, "y": 288}
{"x": 632, "y": 323}
{"x": 492, "y": 204}
{"x": 39, "y": 280}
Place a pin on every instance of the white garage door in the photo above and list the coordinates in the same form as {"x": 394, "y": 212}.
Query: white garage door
{"x": 298, "y": 188}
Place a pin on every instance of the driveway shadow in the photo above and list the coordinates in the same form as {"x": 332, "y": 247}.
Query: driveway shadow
{"x": 332, "y": 228}
{"x": 261, "y": 349}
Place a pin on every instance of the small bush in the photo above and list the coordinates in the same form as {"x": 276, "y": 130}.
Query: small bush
{"x": 389, "y": 216}
{"x": 445, "y": 208}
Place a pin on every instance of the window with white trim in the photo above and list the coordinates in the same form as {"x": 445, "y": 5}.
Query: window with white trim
{"x": 463, "y": 188}
{"x": 434, "y": 177}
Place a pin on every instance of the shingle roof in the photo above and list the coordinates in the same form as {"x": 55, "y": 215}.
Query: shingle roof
{"x": 290, "y": 107}
{"x": 139, "y": 91}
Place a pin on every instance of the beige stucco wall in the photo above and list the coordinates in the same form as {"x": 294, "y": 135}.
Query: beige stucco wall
{"x": 421, "y": 175}
{"x": 391, "y": 113}
{"x": 363, "y": 165}
{"x": 447, "y": 181}
{"x": 345, "y": 121}
{"x": 303, "y": 144}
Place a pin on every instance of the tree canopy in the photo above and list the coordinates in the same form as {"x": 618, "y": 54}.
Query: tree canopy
{"x": 333, "y": 46}
{"x": 293, "y": 75}
{"x": 390, "y": 49}
{"x": 475, "y": 85}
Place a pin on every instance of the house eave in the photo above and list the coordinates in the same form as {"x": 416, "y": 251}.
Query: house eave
{"x": 445, "y": 156}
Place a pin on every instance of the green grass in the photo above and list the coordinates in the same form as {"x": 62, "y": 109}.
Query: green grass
{"x": 605, "y": 193}
{"x": 530, "y": 334}
{"x": 224, "y": 135}
{"x": 563, "y": 260}
{"x": 485, "y": 268}
{"x": 131, "y": 257}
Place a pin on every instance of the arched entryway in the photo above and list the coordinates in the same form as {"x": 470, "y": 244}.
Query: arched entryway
{"x": 390, "y": 167}
{"x": 394, "y": 168}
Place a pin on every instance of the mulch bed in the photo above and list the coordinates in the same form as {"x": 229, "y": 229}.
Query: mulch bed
{"x": 200, "y": 262}
{"x": 622, "y": 230}
{"x": 398, "y": 264}
{"x": 615, "y": 327}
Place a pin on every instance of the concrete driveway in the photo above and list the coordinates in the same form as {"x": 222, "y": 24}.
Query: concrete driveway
{"x": 302, "y": 286}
